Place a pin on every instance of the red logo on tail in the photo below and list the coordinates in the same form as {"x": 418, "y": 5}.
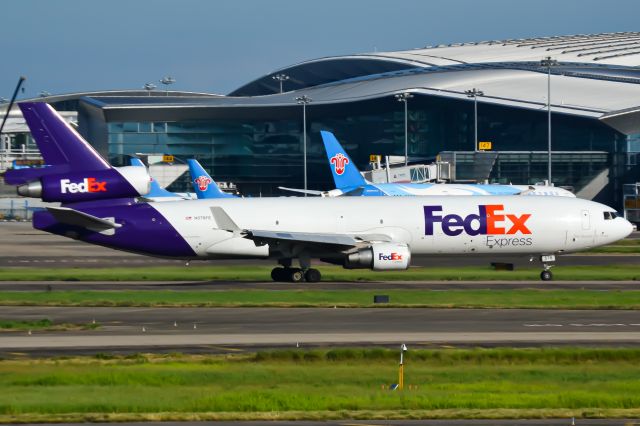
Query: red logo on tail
{"x": 202, "y": 182}
{"x": 339, "y": 162}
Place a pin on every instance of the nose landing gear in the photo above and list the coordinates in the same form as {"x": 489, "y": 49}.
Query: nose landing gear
{"x": 547, "y": 261}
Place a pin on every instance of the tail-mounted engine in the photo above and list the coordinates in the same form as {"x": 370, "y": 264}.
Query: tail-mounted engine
{"x": 78, "y": 186}
{"x": 380, "y": 257}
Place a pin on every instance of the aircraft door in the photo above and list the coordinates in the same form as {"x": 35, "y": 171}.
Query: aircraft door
{"x": 586, "y": 220}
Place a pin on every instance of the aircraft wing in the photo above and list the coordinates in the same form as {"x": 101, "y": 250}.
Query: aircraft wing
{"x": 261, "y": 236}
{"x": 340, "y": 241}
{"x": 302, "y": 191}
{"x": 84, "y": 220}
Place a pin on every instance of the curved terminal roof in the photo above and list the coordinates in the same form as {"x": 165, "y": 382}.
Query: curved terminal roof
{"x": 609, "y": 49}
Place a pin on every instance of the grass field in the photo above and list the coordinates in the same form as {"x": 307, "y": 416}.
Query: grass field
{"x": 44, "y": 324}
{"x": 525, "y": 298}
{"x": 342, "y": 383}
{"x": 329, "y": 273}
{"x": 622, "y": 246}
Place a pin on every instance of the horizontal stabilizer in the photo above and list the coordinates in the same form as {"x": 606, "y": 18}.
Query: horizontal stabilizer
{"x": 77, "y": 218}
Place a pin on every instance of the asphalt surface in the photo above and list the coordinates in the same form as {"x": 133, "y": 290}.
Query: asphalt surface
{"x": 336, "y": 285}
{"x": 21, "y": 245}
{"x": 162, "y": 329}
{"x": 537, "y": 422}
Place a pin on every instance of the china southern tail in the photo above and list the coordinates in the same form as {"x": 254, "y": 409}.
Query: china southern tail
{"x": 349, "y": 181}
{"x": 157, "y": 193}
{"x": 203, "y": 185}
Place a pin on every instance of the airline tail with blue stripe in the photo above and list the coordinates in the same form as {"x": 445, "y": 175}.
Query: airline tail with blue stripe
{"x": 156, "y": 190}
{"x": 203, "y": 185}
{"x": 343, "y": 169}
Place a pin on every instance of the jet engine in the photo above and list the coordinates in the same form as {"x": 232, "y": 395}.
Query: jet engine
{"x": 75, "y": 186}
{"x": 380, "y": 257}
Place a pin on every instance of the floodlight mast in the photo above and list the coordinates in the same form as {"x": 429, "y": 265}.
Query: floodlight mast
{"x": 474, "y": 93}
{"x": 304, "y": 100}
{"x": 281, "y": 78}
{"x": 548, "y": 63}
{"x": 167, "y": 81}
{"x": 149, "y": 87}
{"x": 404, "y": 97}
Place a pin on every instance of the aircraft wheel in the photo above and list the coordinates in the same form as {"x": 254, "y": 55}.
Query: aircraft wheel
{"x": 312, "y": 275}
{"x": 278, "y": 274}
{"x": 296, "y": 275}
{"x": 546, "y": 276}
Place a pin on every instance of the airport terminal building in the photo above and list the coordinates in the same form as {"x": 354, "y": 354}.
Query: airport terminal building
{"x": 253, "y": 136}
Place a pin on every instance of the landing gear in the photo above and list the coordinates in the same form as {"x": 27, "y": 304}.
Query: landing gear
{"x": 312, "y": 275}
{"x": 547, "y": 260}
{"x": 295, "y": 275}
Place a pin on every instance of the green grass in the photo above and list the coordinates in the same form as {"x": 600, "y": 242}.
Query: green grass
{"x": 344, "y": 383}
{"x": 43, "y": 324}
{"x": 330, "y": 273}
{"x": 628, "y": 246}
{"x": 525, "y": 298}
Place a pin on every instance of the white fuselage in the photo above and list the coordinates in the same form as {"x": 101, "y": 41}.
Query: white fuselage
{"x": 511, "y": 225}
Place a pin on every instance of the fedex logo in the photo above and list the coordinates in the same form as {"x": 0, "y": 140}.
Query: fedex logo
{"x": 87, "y": 185}
{"x": 392, "y": 256}
{"x": 339, "y": 162}
{"x": 202, "y": 182}
{"x": 490, "y": 220}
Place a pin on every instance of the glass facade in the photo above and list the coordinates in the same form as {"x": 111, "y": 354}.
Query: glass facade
{"x": 258, "y": 155}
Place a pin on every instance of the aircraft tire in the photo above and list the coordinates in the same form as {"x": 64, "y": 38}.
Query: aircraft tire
{"x": 312, "y": 275}
{"x": 296, "y": 275}
{"x": 546, "y": 276}
{"x": 278, "y": 274}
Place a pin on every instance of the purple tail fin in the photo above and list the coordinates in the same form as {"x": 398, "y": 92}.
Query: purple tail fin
{"x": 52, "y": 133}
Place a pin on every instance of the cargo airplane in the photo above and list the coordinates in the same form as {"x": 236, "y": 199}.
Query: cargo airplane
{"x": 379, "y": 233}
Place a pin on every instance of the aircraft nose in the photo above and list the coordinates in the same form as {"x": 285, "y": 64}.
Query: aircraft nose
{"x": 626, "y": 228}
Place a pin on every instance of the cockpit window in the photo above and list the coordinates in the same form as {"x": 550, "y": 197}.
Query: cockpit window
{"x": 610, "y": 215}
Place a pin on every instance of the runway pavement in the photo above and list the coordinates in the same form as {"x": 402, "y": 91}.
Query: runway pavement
{"x": 21, "y": 245}
{"x": 324, "y": 285}
{"x": 166, "y": 329}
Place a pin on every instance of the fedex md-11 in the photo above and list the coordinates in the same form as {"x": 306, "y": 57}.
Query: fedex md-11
{"x": 379, "y": 233}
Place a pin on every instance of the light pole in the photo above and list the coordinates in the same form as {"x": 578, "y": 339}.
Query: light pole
{"x": 167, "y": 81}
{"x": 404, "y": 97}
{"x": 548, "y": 62}
{"x": 281, "y": 78}
{"x": 304, "y": 100}
{"x": 403, "y": 349}
{"x": 474, "y": 93}
{"x": 149, "y": 87}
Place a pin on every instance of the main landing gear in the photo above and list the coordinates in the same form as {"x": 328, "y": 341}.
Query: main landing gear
{"x": 295, "y": 275}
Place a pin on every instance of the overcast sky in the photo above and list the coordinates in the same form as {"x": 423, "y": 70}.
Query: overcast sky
{"x": 216, "y": 46}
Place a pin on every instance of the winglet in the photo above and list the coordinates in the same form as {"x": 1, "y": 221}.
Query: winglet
{"x": 203, "y": 185}
{"x": 343, "y": 169}
{"x": 223, "y": 220}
